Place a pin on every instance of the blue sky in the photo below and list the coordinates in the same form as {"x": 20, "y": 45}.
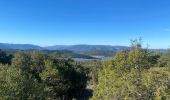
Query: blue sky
{"x": 106, "y": 22}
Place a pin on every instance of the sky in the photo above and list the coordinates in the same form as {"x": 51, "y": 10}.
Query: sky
{"x": 100, "y": 22}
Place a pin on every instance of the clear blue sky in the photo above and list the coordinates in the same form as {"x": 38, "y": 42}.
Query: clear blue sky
{"x": 110, "y": 22}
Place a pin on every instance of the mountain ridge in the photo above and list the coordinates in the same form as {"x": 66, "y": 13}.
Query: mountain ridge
{"x": 80, "y": 48}
{"x": 86, "y": 48}
{"x": 20, "y": 46}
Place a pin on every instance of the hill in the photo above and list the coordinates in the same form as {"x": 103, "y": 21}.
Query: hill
{"x": 19, "y": 46}
{"x": 87, "y": 48}
{"x": 74, "y": 48}
{"x": 101, "y": 53}
{"x": 91, "y": 50}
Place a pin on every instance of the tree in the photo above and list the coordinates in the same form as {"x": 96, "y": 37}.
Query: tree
{"x": 94, "y": 67}
{"x": 133, "y": 75}
{"x": 152, "y": 83}
{"x": 164, "y": 60}
{"x": 103, "y": 88}
{"x": 4, "y": 58}
{"x": 31, "y": 63}
{"x": 63, "y": 79}
{"x": 16, "y": 86}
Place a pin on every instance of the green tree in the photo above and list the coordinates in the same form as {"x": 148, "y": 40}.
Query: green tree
{"x": 4, "y": 58}
{"x": 16, "y": 86}
{"x": 63, "y": 79}
{"x": 31, "y": 63}
{"x": 94, "y": 68}
{"x": 133, "y": 75}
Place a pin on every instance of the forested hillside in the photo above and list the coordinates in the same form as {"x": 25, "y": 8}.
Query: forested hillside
{"x": 87, "y": 48}
{"x": 135, "y": 74}
{"x": 79, "y": 50}
{"x": 101, "y": 53}
{"x": 57, "y": 53}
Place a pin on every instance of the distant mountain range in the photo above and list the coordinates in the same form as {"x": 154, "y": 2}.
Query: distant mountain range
{"x": 19, "y": 46}
{"x": 84, "y": 49}
{"x": 87, "y": 48}
{"x": 74, "y": 48}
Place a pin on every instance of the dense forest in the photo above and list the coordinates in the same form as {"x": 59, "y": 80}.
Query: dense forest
{"x": 135, "y": 74}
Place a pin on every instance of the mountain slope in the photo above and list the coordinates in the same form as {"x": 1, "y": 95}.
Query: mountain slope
{"x": 19, "y": 46}
{"x": 101, "y": 53}
{"x": 74, "y": 48}
{"x": 87, "y": 48}
{"x": 92, "y": 50}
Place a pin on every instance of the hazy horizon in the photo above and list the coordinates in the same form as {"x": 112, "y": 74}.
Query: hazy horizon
{"x": 143, "y": 45}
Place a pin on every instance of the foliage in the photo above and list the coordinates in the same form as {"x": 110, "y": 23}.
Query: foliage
{"x": 33, "y": 74}
{"x": 93, "y": 69}
{"x": 30, "y": 63}
{"x": 15, "y": 86}
{"x": 63, "y": 79}
{"x": 5, "y": 58}
{"x": 105, "y": 53}
{"x": 133, "y": 75}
